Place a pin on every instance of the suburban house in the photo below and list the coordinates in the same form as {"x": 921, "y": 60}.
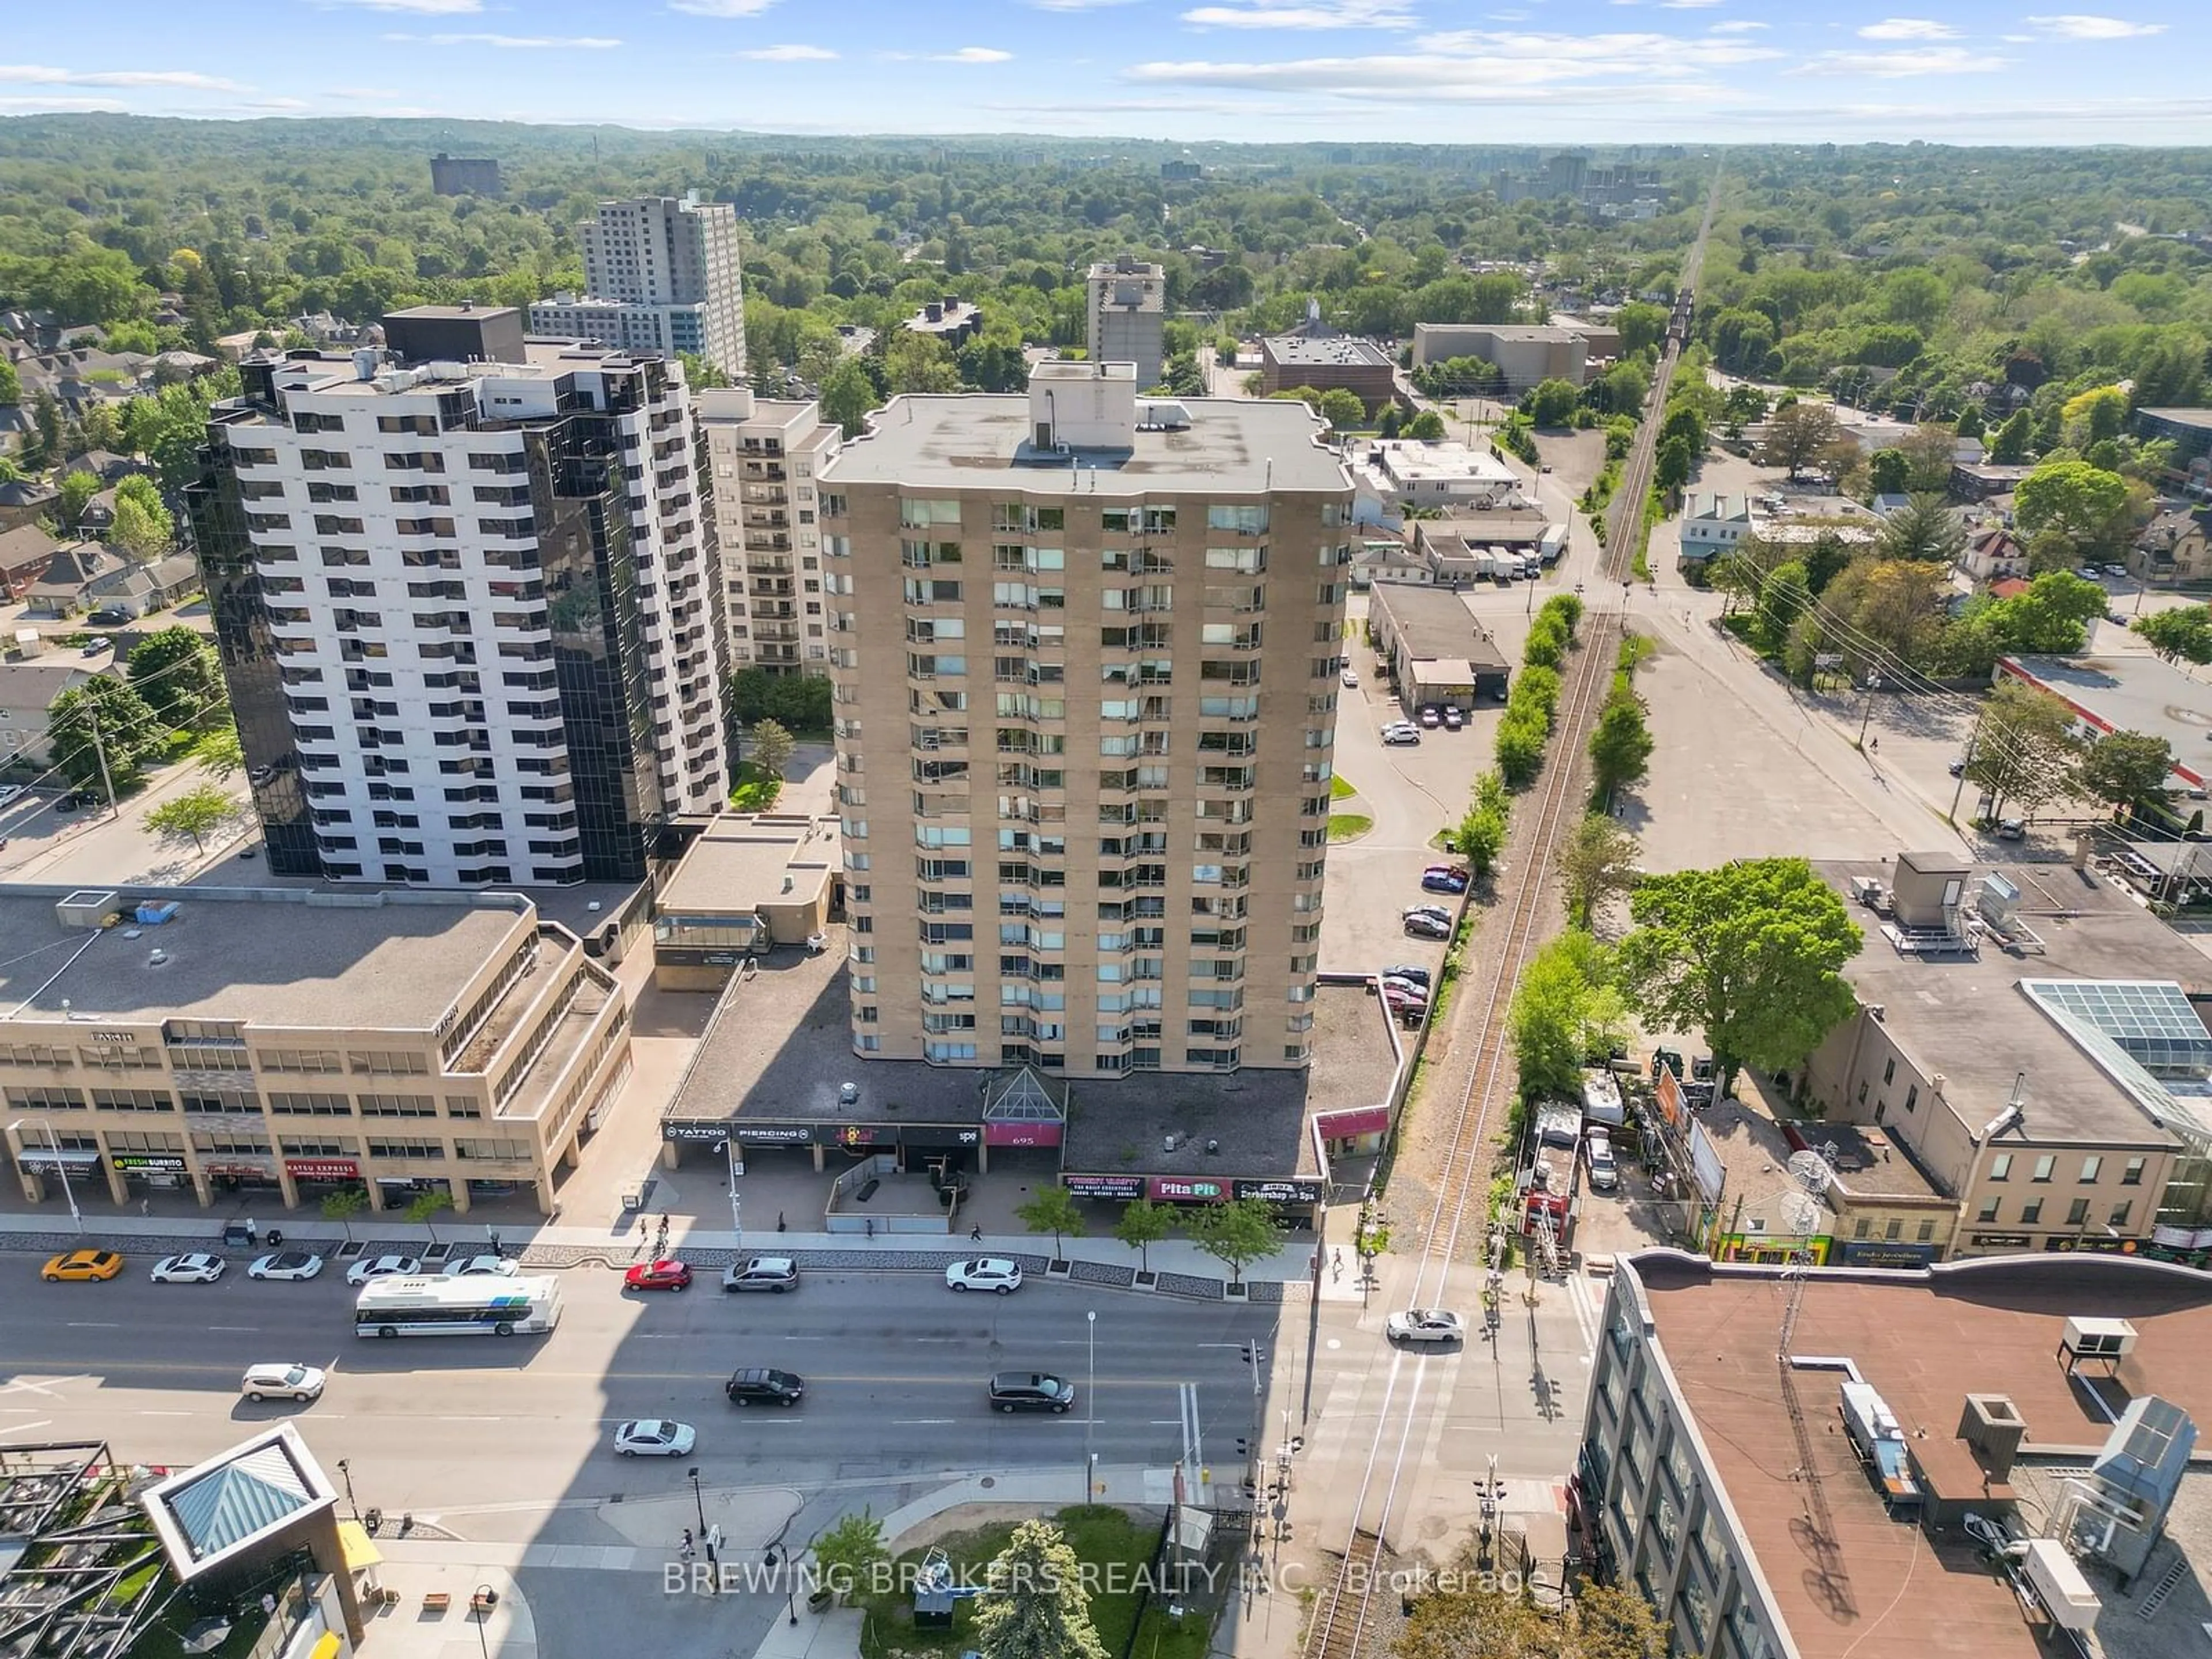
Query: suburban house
{"x": 1992, "y": 555}
{"x": 1389, "y": 559}
{"x": 1713, "y": 524}
{"x": 25, "y": 552}
{"x": 27, "y": 690}
{"x": 2176, "y": 546}
{"x": 25, "y": 501}
{"x": 65, "y": 587}
{"x": 141, "y": 588}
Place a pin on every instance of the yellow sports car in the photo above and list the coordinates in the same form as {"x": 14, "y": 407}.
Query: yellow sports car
{"x": 82, "y": 1264}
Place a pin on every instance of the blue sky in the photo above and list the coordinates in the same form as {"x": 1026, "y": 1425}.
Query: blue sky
{"x": 1470, "y": 71}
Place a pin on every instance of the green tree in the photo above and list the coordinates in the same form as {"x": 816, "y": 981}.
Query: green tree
{"x": 771, "y": 744}
{"x": 2085, "y": 504}
{"x": 1798, "y": 434}
{"x": 1642, "y": 324}
{"x": 1142, "y": 1225}
{"x": 1924, "y": 528}
{"x": 102, "y": 714}
{"x": 12, "y": 384}
{"x": 1783, "y": 597}
{"x": 1034, "y": 1605}
{"x": 2095, "y": 415}
{"x": 1553, "y": 403}
{"x": 1567, "y": 1006}
{"x": 343, "y": 1204}
{"x": 848, "y": 1553}
{"x": 2023, "y": 751}
{"x": 197, "y": 813}
{"x": 1671, "y": 467}
{"x": 1479, "y": 837}
{"x": 423, "y": 1208}
{"x": 848, "y": 396}
{"x": 220, "y": 751}
{"x": 1597, "y": 864}
{"x": 1750, "y": 954}
{"x": 2182, "y": 633}
{"x": 1614, "y": 1622}
{"x": 2126, "y": 769}
{"x": 2008, "y": 444}
{"x": 1237, "y": 1234}
{"x": 1428, "y": 425}
{"x": 1886, "y": 472}
{"x": 2050, "y": 617}
{"x": 138, "y": 533}
{"x": 1475, "y": 1623}
{"x": 919, "y": 363}
{"x": 1054, "y": 1210}
{"x": 1343, "y": 409}
{"x": 1620, "y": 745}
{"x": 177, "y": 672}
{"x": 76, "y": 489}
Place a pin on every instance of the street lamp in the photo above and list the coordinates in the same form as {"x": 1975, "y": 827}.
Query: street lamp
{"x": 1091, "y": 1407}
{"x": 736, "y": 1213}
{"x": 696, "y": 1499}
{"x": 346, "y": 1469}
{"x": 1873, "y": 685}
{"x": 61, "y": 1168}
{"x": 482, "y": 1599}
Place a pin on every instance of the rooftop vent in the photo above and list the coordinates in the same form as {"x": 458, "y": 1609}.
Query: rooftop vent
{"x": 2108, "y": 1339}
{"x": 1992, "y": 1428}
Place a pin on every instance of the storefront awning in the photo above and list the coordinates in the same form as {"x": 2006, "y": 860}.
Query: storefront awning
{"x": 360, "y": 1551}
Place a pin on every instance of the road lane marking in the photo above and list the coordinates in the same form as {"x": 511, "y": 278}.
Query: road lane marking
{"x": 244, "y": 1330}
{"x": 920, "y": 1422}
{"x": 153, "y": 1414}
{"x": 93, "y": 1325}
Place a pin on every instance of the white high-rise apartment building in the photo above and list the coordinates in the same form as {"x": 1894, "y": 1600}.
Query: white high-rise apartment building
{"x": 468, "y": 610}
{"x": 661, "y": 274}
{"x": 1085, "y": 650}
{"x": 766, "y": 457}
{"x": 1128, "y": 316}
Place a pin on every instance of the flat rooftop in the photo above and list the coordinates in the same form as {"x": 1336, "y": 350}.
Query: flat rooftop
{"x": 272, "y": 957}
{"x": 2129, "y": 693}
{"x": 454, "y": 313}
{"x": 1967, "y": 1018}
{"x": 1848, "y": 1579}
{"x": 1754, "y": 1151}
{"x": 1338, "y": 351}
{"x": 741, "y": 859}
{"x": 980, "y": 440}
{"x": 2182, "y": 416}
{"x": 1434, "y": 623}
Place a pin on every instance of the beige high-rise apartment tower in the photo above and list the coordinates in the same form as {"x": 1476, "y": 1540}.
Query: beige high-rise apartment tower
{"x": 1127, "y": 315}
{"x": 1085, "y": 649}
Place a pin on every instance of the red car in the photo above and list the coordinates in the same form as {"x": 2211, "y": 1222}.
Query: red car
{"x": 664, "y": 1275}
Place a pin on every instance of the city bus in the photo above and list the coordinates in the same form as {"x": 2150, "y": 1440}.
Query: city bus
{"x": 476, "y": 1304}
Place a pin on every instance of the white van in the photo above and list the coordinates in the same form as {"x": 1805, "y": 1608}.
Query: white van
{"x": 282, "y": 1382}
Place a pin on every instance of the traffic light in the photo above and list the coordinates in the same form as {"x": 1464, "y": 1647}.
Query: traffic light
{"x": 1243, "y": 1446}
{"x": 1253, "y": 1353}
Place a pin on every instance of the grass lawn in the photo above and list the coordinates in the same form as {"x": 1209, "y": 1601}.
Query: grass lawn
{"x": 1341, "y": 789}
{"x": 1105, "y": 1540}
{"x": 1348, "y": 826}
{"x": 756, "y": 791}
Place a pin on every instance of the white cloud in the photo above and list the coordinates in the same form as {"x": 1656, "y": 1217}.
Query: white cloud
{"x": 2082, "y": 26}
{"x": 1900, "y": 65}
{"x": 1686, "y": 5}
{"x": 39, "y": 74}
{"x": 61, "y": 105}
{"x": 1312, "y": 14}
{"x": 424, "y": 7}
{"x": 791, "y": 54}
{"x": 722, "y": 7}
{"x": 1738, "y": 25}
{"x": 517, "y": 42}
{"x": 972, "y": 55}
{"x": 1908, "y": 28}
{"x": 369, "y": 94}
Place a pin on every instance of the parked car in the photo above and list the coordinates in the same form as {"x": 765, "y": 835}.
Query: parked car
{"x": 284, "y": 1380}
{"x": 1404, "y": 1002}
{"x": 1958, "y": 766}
{"x": 1453, "y": 718}
{"x": 777, "y": 1274}
{"x": 94, "y": 1264}
{"x": 286, "y": 1264}
{"x": 1031, "y": 1391}
{"x": 1407, "y": 970}
{"x": 1410, "y": 987}
{"x": 473, "y": 1266}
{"x": 1428, "y": 927}
{"x": 2011, "y": 830}
{"x": 109, "y": 616}
{"x": 1425, "y": 1325}
{"x": 1436, "y": 910}
{"x": 984, "y": 1274}
{"x": 665, "y": 1274}
{"x": 1442, "y": 881}
{"x": 1430, "y": 717}
{"x": 9, "y": 792}
{"x": 196, "y": 1268}
{"x": 1597, "y": 1152}
{"x": 654, "y": 1436}
{"x": 763, "y": 1385}
{"x": 99, "y": 646}
{"x": 382, "y": 1266}
{"x": 1401, "y": 735}
{"x": 1351, "y": 675}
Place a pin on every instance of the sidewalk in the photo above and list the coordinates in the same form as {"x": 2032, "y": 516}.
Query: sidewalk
{"x": 1182, "y": 1266}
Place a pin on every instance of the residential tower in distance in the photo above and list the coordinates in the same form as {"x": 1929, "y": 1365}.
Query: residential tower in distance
{"x": 1128, "y": 316}
{"x": 1085, "y": 648}
{"x": 468, "y": 610}
{"x": 661, "y": 274}
{"x": 766, "y": 457}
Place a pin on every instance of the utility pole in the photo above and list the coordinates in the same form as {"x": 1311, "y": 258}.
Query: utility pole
{"x": 1873, "y": 685}
{"x": 1965, "y": 765}
{"x": 100, "y": 751}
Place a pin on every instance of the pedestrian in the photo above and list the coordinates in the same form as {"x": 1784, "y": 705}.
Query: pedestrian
{"x": 687, "y": 1543}
{"x": 975, "y": 1233}
{"x": 871, "y": 1224}
{"x": 145, "y": 1206}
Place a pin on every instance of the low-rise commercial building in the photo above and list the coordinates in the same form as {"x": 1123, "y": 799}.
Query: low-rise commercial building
{"x": 1328, "y": 363}
{"x": 297, "y": 1041}
{"x": 1715, "y": 524}
{"x": 1436, "y": 651}
{"x": 1785, "y": 1461}
{"x": 2030, "y": 1038}
{"x": 749, "y": 884}
{"x": 1464, "y": 546}
{"x": 2127, "y": 692}
{"x": 1392, "y": 474}
{"x": 1524, "y": 353}
{"x": 2190, "y": 430}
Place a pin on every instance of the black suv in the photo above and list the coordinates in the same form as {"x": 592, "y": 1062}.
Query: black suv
{"x": 1031, "y": 1391}
{"x": 761, "y": 1385}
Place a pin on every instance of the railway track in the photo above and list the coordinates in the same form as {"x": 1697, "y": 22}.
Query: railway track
{"x": 1344, "y": 1613}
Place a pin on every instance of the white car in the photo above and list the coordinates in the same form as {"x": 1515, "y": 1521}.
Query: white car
{"x": 284, "y": 1381}
{"x": 1350, "y": 677}
{"x": 1425, "y": 1325}
{"x": 382, "y": 1266}
{"x": 984, "y": 1274}
{"x": 198, "y": 1268}
{"x": 654, "y": 1437}
{"x": 286, "y": 1264}
{"x": 9, "y": 791}
{"x": 469, "y": 1267}
{"x": 1604, "y": 1170}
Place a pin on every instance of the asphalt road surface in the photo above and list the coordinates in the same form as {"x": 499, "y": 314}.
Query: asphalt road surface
{"x": 895, "y": 1366}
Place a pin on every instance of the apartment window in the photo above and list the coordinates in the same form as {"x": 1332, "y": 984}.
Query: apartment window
{"x": 2077, "y": 1213}
{"x": 2132, "y": 1173}
{"x": 1912, "y": 1098}
{"x": 2119, "y": 1215}
{"x": 2031, "y": 1212}
{"x": 2001, "y": 1167}
{"x": 2090, "y": 1169}
{"x": 1889, "y": 1070}
{"x": 1927, "y": 1232}
{"x": 290, "y": 1104}
{"x": 1988, "y": 1212}
{"x": 1895, "y": 1228}
{"x": 2044, "y": 1166}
